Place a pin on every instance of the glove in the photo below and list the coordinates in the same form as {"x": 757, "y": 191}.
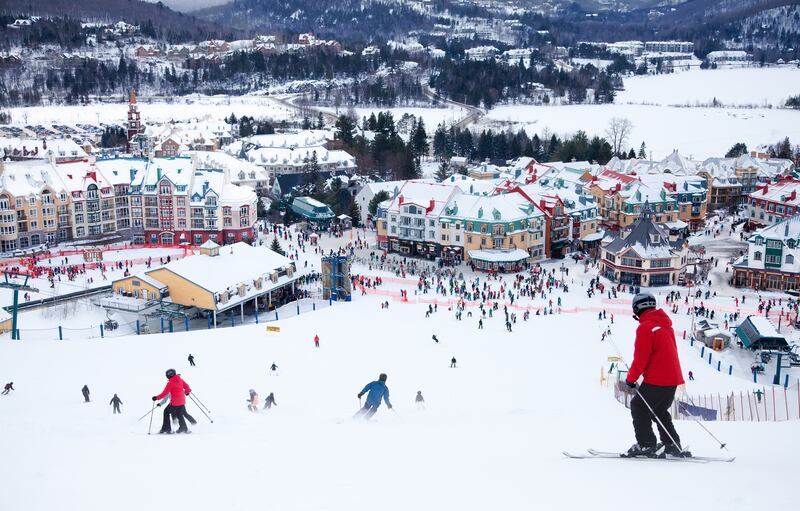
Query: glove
{"x": 390, "y": 406}
{"x": 360, "y": 394}
{"x": 631, "y": 385}
{"x": 187, "y": 392}
{"x": 159, "y": 404}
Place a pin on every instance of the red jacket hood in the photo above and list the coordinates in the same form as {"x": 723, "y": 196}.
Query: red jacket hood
{"x": 657, "y": 316}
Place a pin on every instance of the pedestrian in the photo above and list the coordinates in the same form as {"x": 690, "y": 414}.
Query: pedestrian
{"x": 8, "y": 388}
{"x": 453, "y": 362}
{"x": 177, "y": 390}
{"x": 273, "y": 368}
{"x": 270, "y": 401}
{"x": 116, "y": 401}
{"x": 480, "y": 324}
{"x": 376, "y": 391}
{"x": 85, "y": 392}
{"x": 691, "y": 376}
{"x": 655, "y": 357}
{"x": 191, "y": 360}
{"x": 435, "y": 339}
{"x": 420, "y": 401}
{"x": 316, "y": 341}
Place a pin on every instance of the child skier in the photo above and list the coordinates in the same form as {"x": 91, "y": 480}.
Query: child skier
{"x": 655, "y": 356}
{"x": 376, "y": 390}
{"x": 252, "y": 403}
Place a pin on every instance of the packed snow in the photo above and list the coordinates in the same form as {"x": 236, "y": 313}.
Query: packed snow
{"x": 748, "y": 86}
{"x": 183, "y": 108}
{"x": 491, "y": 435}
{"x": 698, "y": 132}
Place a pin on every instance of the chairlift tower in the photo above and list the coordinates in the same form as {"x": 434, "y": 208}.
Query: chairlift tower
{"x": 15, "y": 287}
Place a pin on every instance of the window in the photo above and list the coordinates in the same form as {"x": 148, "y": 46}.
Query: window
{"x": 757, "y": 256}
{"x": 226, "y": 210}
{"x": 772, "y": 259}
{"x": 458, "y": 238}
{"x": 789, "y": 259}
{"x": 774, "y": 244}
{"x": 431, "y": 234}
{"x": 181, "y": 201}
{"x": 433, "y": 223}
{"x": 244, "y": 211}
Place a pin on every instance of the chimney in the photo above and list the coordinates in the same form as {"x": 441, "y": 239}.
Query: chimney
{"x": 133, "y": 174}
{"x": 400, "y": 200}
{"x": 786, "y": 230}
{"x": 158, "y": 173}
{"x": 205, "y": 187}
{"x": 431, "y": 205}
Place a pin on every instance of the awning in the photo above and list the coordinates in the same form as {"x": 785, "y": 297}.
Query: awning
{"x": 595, "y": 236}
{"x": 677, "y": 224}
{"x": 499, "y": 256}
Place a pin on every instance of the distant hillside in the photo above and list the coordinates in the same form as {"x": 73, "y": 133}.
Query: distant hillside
{"x": 167, "y": 24}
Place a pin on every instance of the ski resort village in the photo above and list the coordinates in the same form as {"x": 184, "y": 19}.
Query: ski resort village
{"x": 401, "y": 255}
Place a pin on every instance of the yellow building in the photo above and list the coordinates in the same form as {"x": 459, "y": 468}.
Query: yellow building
{"x": 219, "y": 279}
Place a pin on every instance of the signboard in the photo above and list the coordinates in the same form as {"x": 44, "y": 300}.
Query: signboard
{"x": 275, "y": 329}
{"x": 610, "y": 359}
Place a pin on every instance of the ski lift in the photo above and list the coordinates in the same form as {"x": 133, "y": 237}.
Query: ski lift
{"x": 109, "y": 323}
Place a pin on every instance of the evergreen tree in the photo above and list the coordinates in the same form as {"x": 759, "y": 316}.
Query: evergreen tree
{"x": 736, "y": 150}
{"x": 372, "y": 207}
{"x": 306, "y": 125}
{"x": 642, "y": 152}
{"x": 346, "y": 127}
{"x": 276, "y": 246}
{"x": 419, "y": 139}
{"x": 320, "y": 121}
{"x": 443, "y": 171}
{"x": 439, "y": 141}
{"x": 631, "y": 153}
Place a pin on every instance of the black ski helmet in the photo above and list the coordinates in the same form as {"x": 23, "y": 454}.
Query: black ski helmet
{"x": 170, "y": 373}
{"x": 642, "y": 302}
{"x": 382, "y": 377}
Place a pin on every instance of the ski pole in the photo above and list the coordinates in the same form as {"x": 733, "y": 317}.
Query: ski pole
{"x": 151, "y": 418}
{"x": 200, "y": 403}
{"x": 638, "y": 393}
{"x": 148, "y": 413}
{"x": 201, "y": 409}
{"x": 722, "y": 445}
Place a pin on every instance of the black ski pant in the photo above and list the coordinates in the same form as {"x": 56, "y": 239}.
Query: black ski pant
{"x": 174, "y": 411}
{"x": 116, "y": 408}
{"x": 86, "y": 397}
{"x": 660, "y": 400}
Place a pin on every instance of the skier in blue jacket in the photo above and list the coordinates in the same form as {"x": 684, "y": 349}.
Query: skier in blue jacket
{"x": 375, "y": 391}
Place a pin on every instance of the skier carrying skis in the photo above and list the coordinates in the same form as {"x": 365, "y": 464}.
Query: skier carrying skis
{"x": 655, "y": 356}
{"x": 177, "y": 390}
{"x": 8, "y": 388}
{"x": 116, "y": 401}
{"x": 377, "y": 390}
{"x": 85, "y": 392}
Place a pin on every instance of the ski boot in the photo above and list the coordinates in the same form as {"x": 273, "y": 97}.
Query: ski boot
{"x": 184, "y": 431}
{"x": 638, "y": 451}
{"x": 674, "y": 451}
{"x": 164, "y": 432}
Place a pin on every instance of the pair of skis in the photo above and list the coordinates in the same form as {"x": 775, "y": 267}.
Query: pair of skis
{"x": 595, "y": 454}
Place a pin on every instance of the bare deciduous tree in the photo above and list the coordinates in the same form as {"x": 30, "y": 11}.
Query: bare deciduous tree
{"x": 619, "y": 129}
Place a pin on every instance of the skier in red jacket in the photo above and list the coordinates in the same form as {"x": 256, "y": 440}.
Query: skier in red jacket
{"x": 177, "y": 390}
{"x": 655, "y": 356}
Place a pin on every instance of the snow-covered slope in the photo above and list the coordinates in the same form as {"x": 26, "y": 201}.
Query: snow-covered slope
{"x": 491, "y": 437}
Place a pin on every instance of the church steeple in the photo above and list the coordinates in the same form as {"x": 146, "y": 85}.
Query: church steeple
{"x": 134, "y": 125}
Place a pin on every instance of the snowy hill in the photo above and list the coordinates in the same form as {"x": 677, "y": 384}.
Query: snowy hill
{"x": 491, "y": 437}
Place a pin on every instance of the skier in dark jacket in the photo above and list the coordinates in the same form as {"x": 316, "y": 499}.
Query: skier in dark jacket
{"x": 8, "y": 388}
{"x": 655, "y": 357}
{"x": 85, "y": 392}
{"x": 116, "y": 401}
{"x": 453, "y": 362}
{"x": 270, "y": 401}
{"x": 420, "y": 401}
{"x": 191, "y": 360}
{"x": 376, "y": 390}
